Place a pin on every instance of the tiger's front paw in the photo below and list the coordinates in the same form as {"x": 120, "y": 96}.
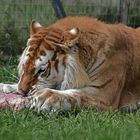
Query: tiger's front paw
{"x": 48, "y": 100}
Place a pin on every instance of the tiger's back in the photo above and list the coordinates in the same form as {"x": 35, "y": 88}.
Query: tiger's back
{"x": 111, "y": 37}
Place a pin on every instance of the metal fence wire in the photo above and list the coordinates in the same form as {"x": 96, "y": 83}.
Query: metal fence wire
{"x": 16, "y": 15}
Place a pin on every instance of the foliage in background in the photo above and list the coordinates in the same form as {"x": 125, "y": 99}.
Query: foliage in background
{"x": 14, "y": 28}
{"x": 8, "y": 71}
{"x": 134, "y": 13}
{"x": 10, "y": 41}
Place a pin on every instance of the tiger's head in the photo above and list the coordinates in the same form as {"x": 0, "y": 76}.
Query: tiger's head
{"x": 45, "y": 58}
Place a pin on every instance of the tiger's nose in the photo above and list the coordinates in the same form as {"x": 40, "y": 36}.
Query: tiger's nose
{"x": 23, "y": 92}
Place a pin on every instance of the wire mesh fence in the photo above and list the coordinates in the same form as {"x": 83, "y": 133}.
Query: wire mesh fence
{"x": 16, "y": 16}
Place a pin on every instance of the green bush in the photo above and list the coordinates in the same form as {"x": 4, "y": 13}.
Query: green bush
{"x": 10, "y": 41}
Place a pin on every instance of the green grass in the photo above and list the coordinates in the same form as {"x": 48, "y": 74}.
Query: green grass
{"x": 81, "y": 125}
{"x": 86, "y": 125}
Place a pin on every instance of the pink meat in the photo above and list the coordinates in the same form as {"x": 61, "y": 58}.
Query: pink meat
{"x": 13, "y": 101}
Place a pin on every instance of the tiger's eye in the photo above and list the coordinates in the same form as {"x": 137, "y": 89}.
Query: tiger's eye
{"x": 41, "y": 71}
{"x": 31, "y": 49}
{"x": 33, "y": 70}
{"x": 42, "y": 53}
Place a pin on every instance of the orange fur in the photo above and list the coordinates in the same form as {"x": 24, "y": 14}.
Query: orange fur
{"x": 109, "y": 54}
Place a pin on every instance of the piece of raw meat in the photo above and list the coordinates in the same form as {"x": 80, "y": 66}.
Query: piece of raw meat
{"x": 13, "y": 101}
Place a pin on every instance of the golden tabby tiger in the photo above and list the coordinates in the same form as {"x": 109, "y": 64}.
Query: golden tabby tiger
{"x": 81, "y": 62}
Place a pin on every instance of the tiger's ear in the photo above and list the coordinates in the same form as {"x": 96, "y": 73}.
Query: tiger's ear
{"x": 34, "y": 26}
{"x": 71, "y": 36}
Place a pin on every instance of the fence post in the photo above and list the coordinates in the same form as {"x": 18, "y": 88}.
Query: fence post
{"x": 58, "y": 8}
{"x": 123, "y": 11}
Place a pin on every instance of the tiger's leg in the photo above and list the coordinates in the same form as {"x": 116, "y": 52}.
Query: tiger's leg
{"x": 130, "y": 99}
{"x": 8, "y": 88}
{"x": 128, "y": 103}
{"x": 48, "y": 100}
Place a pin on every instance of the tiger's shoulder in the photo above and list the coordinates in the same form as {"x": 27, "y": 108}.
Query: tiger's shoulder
{"x": 96, "y": 35}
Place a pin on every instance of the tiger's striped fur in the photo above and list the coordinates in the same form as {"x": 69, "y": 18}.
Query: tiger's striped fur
{"x": 81, "y": 62}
